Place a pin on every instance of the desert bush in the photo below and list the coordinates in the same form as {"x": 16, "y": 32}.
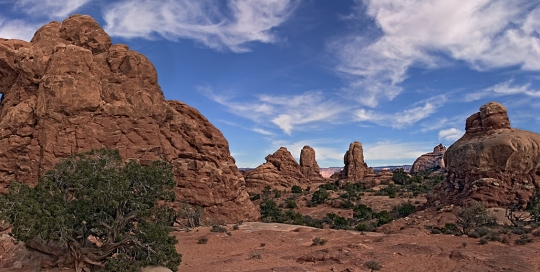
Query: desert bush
{"x": 483, "y": 241}
{"x": 309, "y": 221}
{"x": 277, "y": 193}
{"x": 362, "y": 212}
{"x": 97, "y": 194}
{"x": 450, "y": 228}
{"x": 320, "y": 196}
{"x": 269, "y": 211}
{"x": 189, "y": 216}
{"x": 523, "y": 239}
{"x": 383, "y": 217}
{"x": 291, "y": 204}
{"x": 403, "y": 209}
{"x": 399, "y": 176}
{"x": 373, "y": 265}
{"x": 217, "y": 228}
{"x": 296, "y": 189}
{"x": 202, "y": 240}
{"x": 347, "y": 204}
{"x": 329, "y": 187}
{"x": 318, "y": 241}
{"x": 471, "y": 216}
{"x": 236, "y": 227}
{"x": 338, "y": 222}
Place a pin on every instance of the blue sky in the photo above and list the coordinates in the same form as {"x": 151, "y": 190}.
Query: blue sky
{"x": 398, "y": 76}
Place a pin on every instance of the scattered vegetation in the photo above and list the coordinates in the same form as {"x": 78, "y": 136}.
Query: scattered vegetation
{"x": 95, "y": 194}
{"x": 296, "y": 189}
{"x": 318, "y": 241}
{"x": 373, "y": 265}
{"x": 202, "y": 240}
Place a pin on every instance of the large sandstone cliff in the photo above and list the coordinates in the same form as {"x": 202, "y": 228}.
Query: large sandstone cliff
{"x": 492, "y": 162}
{"x": 70, "y": 89}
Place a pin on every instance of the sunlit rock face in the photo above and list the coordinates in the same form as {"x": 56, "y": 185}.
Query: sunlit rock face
{"x": 70, "y": 89}
{"x": 492, "y": 162}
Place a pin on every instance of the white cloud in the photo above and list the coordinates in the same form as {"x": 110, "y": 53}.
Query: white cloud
{"x": 17, "y": 29}
{"x": 288, "y": 112}
{"x": 217, "y": 27}
{"x": 50, "y": 8}
{"x": 503, "y": 89}
{"x": 451, "y": 134}
{"x": 396, "y": 120}
{"x": 263, "y": 131}
{"x": 394, "y": 150}
{"x": 486, "y": 34}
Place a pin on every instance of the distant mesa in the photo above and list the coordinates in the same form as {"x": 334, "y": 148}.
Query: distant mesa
{"x": 430, "y": 161}
{"x": 70, "y": 89}
{"x": 492, "y": 162}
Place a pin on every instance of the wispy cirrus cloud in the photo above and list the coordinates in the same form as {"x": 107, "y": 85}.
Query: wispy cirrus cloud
{"x": 287, "y": 112}
{"x": 404, "y": 118}
{"x": 40, "y": 10}
{"x": 503, "y": 89}
{"x": 486, "y": 34}
{"x": 384, "y": 150}
{"x": 224, "y": 25}
{"x": 451, "y": 134}
{"x": 50, "y": 8}
{"x": 17, "y": 29}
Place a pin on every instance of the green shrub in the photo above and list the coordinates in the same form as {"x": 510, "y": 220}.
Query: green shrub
{"x": 217, "y": 228}
{"x": 329, "y": 186}
{"x": 97, "y": 194}
{"x": 317, "y": 241}
{"x": 291, "y": 204}
{"x": 404, "y": 209}
{"x": 362, "y": 212}
{"x": 383, "y": 217}
{"x": 270, "y": 211}
{"x": 202, "y": 240}
{"x": 296, "y": 189}
{"x": 277, "y": 193}
{"x": 319, "y": 196}
{"x": 523, "y": 239}
{"x": 373, "y": 265}
{"x": 399, "y": 176}
{"x": 340, "y": 222}
{"x": 471, "y": 216}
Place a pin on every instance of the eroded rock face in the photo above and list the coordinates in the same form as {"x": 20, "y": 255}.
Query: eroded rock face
{"x": 309, "y": 166}
{"x": 431, "y": 160}
{"x": 355, "y": 168}
{"x": 492, "y": 162}
{"x": 279, "y": 171}
{"x": 70, "y": 90}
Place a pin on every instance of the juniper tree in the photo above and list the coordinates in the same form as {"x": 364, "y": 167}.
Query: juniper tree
{"x": 96, "y": 211}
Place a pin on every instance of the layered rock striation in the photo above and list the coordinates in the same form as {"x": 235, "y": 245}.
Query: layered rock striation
{"x": 70, "y": 89}
{"x": 492, "y": 162}
{"x": 430, "y": 161}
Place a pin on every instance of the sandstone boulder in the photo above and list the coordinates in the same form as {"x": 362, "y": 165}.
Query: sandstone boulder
{"x": 70, "y": 89}
{"x": 309, "y": 166}
{"x": 492, "y": 162}
{"x": 280, "y": 171}
{"x": 430, "y": 161}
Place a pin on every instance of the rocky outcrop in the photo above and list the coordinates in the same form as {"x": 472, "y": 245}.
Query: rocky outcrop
{"x": 355, "y": 168}
{"x": 70, "y": 89}
{"x": 279, "y": 171}
{"x": 309, "y": 166}
{"x": 492, "y": 162}
{"x": 430, "y": 161}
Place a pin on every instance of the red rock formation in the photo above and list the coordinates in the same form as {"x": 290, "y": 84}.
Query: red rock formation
{"x": 70, "y": 90}
{"x": 309, "y": 166}
{"x": 279, "y": 171}
{"x": 355, "y": 168}
{"x": 492, "y": 162}
{"x": 431, "y": 160}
